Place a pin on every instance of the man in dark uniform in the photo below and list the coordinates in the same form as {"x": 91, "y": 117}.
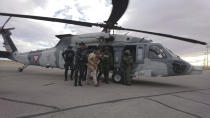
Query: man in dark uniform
{"x": 127, "y": 62}
{"x": 68, "y": 56}
{"x": 81, "y": 61}
{"x": 105, "y": 64}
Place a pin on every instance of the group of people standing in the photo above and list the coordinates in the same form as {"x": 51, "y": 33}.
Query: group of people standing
{"x": 83, "y": 64}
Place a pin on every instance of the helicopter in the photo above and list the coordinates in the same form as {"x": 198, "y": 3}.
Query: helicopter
{"x": 150, "y": 59}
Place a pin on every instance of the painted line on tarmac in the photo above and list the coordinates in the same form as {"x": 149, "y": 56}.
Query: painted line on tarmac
{"x": 106, "y": 102}
{"x": 29, "y": 103}
{"x": 202, "y": 93}
{"x": 48, "y": 84}
{"x": 196, "y": 101}
{"x": 156, "y": 101}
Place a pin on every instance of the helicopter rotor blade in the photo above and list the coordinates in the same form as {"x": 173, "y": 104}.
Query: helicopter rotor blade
{"x": 119, "y": 8}
{"x": 109, "y": 25}
{"x": 87, "y": 24}
{"x": 163, "y": 35}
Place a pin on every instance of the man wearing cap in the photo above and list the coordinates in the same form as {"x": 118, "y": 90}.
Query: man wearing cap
{"x": 68, "y": 56}
{"x": 80, "y": 62}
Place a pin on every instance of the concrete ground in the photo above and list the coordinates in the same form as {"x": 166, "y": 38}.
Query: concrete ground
{"x": 42, "y": 93}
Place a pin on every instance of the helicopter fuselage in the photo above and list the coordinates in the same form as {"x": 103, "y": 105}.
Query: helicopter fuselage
{"x": 150, "y": 59}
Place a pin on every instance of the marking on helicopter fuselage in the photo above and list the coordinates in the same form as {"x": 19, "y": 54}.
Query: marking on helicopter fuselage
{"x": 36, "y": 58}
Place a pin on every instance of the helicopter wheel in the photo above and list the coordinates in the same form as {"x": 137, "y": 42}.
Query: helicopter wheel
{"x": 20, "y": 70}
{"x": 117, "y": 77}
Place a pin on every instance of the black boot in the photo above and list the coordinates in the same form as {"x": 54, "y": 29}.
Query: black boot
{"x": 80, "y": 84}
{"x": 65, "y": 77}
{"x": 66, "y": 74}
{"x": 72, "y": 74}
{"x": 107, "y": 82}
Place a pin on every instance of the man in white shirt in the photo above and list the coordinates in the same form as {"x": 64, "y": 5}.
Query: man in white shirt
{"x": 92, "y": 65}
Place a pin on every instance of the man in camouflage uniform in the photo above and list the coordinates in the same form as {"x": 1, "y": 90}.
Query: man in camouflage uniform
{"x": 105, "y": 64}
{"x": 80, "y": 63}
{"x": 127, "y": 62}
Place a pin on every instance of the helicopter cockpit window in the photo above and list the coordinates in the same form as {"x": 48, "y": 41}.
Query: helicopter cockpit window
{"x": 156, "y": 52}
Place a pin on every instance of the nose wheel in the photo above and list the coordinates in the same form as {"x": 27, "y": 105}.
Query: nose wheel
{"x": 20, "y": 70}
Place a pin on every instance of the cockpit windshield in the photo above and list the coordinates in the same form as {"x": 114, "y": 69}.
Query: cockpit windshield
{"x": 171, "y": 53}
{"x": 156, "y": 52}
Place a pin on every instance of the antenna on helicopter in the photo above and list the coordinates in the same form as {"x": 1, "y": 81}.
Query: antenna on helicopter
{"x": 126, "y": 33}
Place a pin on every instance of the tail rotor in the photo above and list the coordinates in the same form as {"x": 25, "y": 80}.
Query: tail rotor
{"x": 3, "y": 26}
{"x": 5, "y": 32}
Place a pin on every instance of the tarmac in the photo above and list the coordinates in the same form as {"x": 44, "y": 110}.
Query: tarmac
{"x": 39, "y": 92}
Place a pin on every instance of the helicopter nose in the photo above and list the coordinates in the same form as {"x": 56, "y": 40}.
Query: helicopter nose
{"x": 188, "y": 69}
{"x": 195, "y": 70}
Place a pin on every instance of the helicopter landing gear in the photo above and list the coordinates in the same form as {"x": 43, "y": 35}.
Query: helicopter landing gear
{"x": 20, "y": 69}
{"x": 117, "y": 77}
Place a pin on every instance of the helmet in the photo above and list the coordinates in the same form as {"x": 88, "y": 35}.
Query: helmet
{"x": 127, "y": 52}
{"x": 106, "y": 48}
{"x": 69, "y": 47}
{"x": 82, "y": 43}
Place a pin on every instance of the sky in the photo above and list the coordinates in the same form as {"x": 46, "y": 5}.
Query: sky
{"x": 186, "y": 18}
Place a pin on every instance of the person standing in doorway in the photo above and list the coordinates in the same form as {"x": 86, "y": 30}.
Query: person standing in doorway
{"x": 127, "y": 62}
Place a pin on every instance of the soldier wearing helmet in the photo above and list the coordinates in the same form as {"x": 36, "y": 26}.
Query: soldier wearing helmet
{"x": 127, "y": 62}
{"x": 105, "y": 64}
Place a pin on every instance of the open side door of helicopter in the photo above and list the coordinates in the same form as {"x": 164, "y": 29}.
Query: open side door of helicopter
{"x": 117, "y": 72}
{"x": 137, "y": 52}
